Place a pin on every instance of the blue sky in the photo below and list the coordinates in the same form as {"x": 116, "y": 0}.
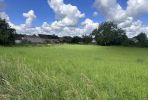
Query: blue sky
{"x": 15, "y": 8}
{"x": 111, "y": 10}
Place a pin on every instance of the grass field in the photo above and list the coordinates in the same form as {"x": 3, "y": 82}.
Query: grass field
{"x": 73, "y": 72}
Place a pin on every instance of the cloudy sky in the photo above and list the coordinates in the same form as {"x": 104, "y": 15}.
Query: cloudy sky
{"x": 74, "y": 17}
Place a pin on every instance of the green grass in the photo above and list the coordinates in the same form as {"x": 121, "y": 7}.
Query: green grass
{"x": 73, "y": 72}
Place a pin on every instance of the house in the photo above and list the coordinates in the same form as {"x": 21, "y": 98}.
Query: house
{"x": 18, "y": 41}
{"x": 18, "y": 38}
{"x": 40, "y": 39}
{"x": 33, "y": 39}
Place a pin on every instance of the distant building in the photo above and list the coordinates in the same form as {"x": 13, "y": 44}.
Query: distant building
{"x": 18, "y": 38}
{"x": 41, "y": 39}
{"x": 94, "y": 41}
{"x": 18, "y": 41}
{"x": 34, "y": 40}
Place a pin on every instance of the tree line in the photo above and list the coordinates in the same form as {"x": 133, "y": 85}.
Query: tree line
{"x": 106, "y": 34}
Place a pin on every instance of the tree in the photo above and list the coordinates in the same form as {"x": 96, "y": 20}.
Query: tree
{"x": 67, "y": 39}
{"x": 7, "y": 34}
{"x": 87, "y": 39}
{"x": 76, "y": 39}
{"x": 142, "y": 39}
{"x": 108, "y": 33}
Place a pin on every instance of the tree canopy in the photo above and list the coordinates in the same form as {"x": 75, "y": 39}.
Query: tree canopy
{"x": 142, "y": 40}
{"x": 108, "y": 33}
{"x": 7, "y": 34}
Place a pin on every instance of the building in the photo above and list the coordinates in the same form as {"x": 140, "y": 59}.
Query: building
{"x": 33, "y": 39}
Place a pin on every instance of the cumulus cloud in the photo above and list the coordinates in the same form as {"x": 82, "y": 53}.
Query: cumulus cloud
{"x": 126, "y": 19}
{"x": 66, "y": 22}
{"x": 3, "y": 15}
{"x": 89, "y": 25}
{"x": 111, "y": 9}
{"x": 66, "y": 14}
{"x": 67, "y": 18}
{"x": 24, "y": 28}
{"x": 137, "y": 7}
{"x": 30, "y": 15}
{"x": 86, "y": 28}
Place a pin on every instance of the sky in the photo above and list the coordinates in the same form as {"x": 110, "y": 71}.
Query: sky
{"x": 74, "y": 17}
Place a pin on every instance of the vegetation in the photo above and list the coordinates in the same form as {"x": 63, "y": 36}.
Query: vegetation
{"x": 142, "y": 40}
{"x": 76, "y": 40}
{"x": 87, "y": 39}
{"x": 7, "y": 34}
{"x": 73, "y": 72}
{"x": 108, "y": 34}
{"x": 67, "y": 39}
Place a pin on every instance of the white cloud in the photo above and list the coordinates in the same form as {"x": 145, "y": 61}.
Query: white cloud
{"x": 3, "y": 15}
{"x": 67, "y": 20}
{"x": 126, "y": 19}
{"x": 137, "y": 7}
{"x": 25, "y": 28}
{"x": 30, "y": 15}
{"x": 133, "y": 28}
{"x": 86, "y": 28}
{"x": 111, "y": 9}
{"x": 66, "y": 14}
{"x": 89, "y": 25}
{"x": 66, "y": 23}
{"x": 95, "y": 14}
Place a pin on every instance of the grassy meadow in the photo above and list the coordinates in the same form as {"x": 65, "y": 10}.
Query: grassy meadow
{"x": 73, "y": 72}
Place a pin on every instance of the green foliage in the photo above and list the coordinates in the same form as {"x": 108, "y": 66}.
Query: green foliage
{"x": 128, "y": 42}
{"x": 87, "y": 39}
{"x": 73, "y": 72}
{"x": 7, "y": 34}
{"x": 76, "y": 40}
{"x": 109, "y": 34}
{"x": 142, "y": 40}
{"x": 141, "y": 37}
{"x": 67, "y": 39}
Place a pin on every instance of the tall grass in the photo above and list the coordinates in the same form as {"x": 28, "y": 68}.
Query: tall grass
{"x": 73, "y": 72}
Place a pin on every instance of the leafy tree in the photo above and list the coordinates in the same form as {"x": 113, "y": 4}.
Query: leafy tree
{"x": 7, "y": 34}
{"x": 87, "y": 39}
{"x": 76, "y": 39}
{"x": 108, "y": 33}
{"x": 129, "y": 42}
{"x": 67, "y": 39}
{"x": 142, "y": 39}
